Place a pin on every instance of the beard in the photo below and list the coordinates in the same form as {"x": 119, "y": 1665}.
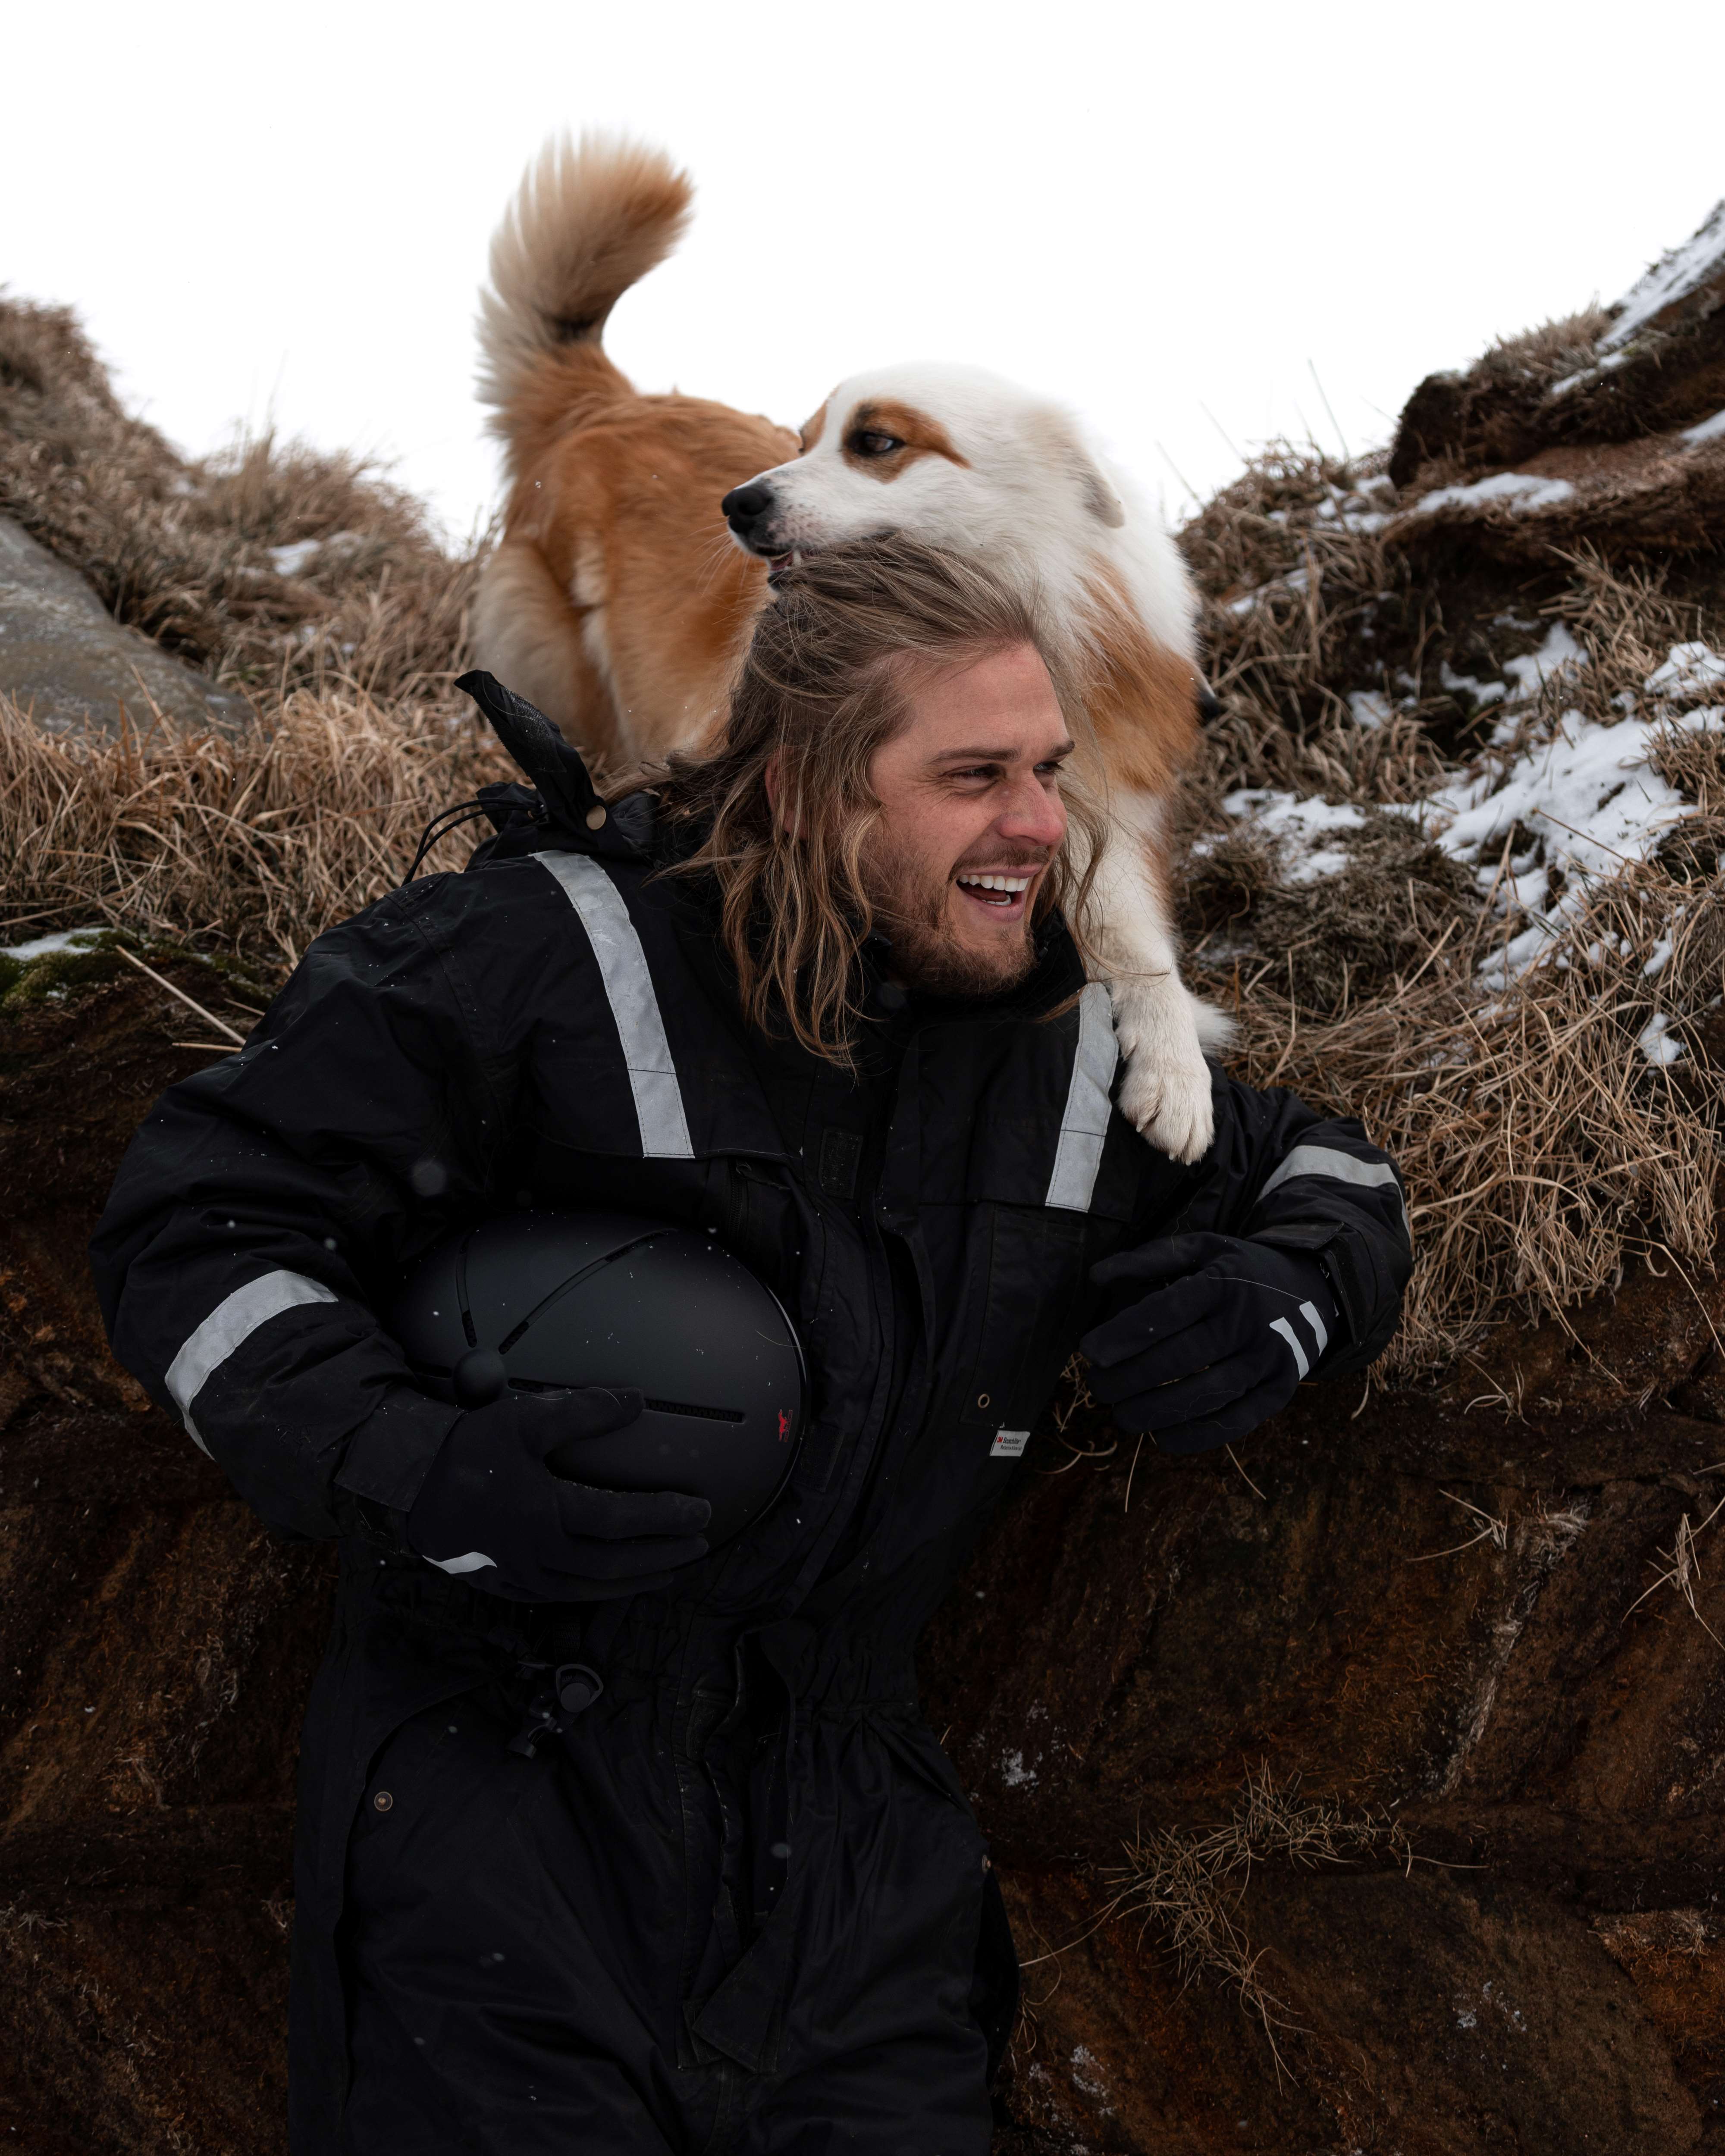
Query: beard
{"x": 911, "y": 910}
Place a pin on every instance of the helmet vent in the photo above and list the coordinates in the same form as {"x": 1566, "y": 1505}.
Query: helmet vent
{"x": 568, "y": 1286}
{"x": 706, "y": 1414}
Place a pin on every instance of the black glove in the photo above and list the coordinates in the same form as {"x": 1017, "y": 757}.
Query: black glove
{"x": 1229, "y": 1329}
{"x": 491, "y": 1507}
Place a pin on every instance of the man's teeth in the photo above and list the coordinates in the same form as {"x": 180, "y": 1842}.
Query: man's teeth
{"x": 997, "y": 882}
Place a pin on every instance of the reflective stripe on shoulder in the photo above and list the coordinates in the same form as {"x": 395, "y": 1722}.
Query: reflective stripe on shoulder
{"x": 1083, "y": 1126}
{"x": 635, "y": 1004}
{"x": 1338, "y": 1168}
{"x": 229, "y": 1325}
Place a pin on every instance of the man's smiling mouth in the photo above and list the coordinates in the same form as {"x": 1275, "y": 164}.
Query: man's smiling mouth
{"x": 1003, "y": 892}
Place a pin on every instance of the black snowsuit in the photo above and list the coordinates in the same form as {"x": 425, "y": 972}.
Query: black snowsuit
{"x": 740, "y": 1902}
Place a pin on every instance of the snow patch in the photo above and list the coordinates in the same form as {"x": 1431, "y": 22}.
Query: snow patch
{"x": 1709, "y": 430}
{"x": 1690, "y": 672}
{"x": 1483, "y": 692}
{"x": 1685, "y": 269}
{"x": 1371, "y": 708}
{"x": 1521, "y": 490}
{"x": 1589, "y": 795}
{"x": 1015, "y": 1774}
{"x": 1655, "y": 1042}
{"x": 294, "y": 560}
{"x": 1296, "y": 829}
{"x": 290, "y": 561}
{"x": 1588, "y": 800}
{"x": 1530, "y": 670}
{"x": 1296, "y": 580}
{"x": 41, "y": 946}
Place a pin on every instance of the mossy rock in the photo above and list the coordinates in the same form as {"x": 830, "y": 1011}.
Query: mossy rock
{"x": 74, "y": 969}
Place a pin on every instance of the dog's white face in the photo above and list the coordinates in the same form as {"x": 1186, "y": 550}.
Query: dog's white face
{"x": 949, "y": 454}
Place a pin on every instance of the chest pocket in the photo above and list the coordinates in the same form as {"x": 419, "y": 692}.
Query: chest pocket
{"x": 1026, "y": 1282}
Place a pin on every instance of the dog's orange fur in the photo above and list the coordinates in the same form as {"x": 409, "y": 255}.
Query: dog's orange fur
{"x": 613, "y": 544}
{"x": 614, "y": 601}
{"x": 1141, "y": 697}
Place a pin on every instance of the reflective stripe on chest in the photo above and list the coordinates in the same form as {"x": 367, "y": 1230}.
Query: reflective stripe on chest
{"x": 633, "y": 1001}
{"x": 1083, "y": 1126}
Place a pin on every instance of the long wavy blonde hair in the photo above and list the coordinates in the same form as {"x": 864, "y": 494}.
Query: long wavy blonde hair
{"x": 821, "y": 688}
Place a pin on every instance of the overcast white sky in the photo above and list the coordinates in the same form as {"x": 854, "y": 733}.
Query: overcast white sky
{"x": 1168, "y": 214}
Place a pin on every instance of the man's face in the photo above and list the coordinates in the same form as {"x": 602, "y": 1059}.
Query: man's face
{"x": 971, "y": 819}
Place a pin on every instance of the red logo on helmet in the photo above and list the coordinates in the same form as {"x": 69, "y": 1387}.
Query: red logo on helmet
{"x": 784, "y": 1424}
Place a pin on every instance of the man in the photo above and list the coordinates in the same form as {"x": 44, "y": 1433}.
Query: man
{"x": 818, "y": 994}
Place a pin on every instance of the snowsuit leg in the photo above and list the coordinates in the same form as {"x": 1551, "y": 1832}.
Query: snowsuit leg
{"x": 531, "y": 1947}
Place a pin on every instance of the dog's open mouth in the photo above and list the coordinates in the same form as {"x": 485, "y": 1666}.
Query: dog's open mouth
{"x": 777, "y": 565}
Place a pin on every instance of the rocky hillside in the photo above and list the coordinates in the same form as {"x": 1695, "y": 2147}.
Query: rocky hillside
{"x": 1361, "y": 1792}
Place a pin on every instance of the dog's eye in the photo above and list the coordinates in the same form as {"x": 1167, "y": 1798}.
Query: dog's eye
{"x": 875, "y": 445}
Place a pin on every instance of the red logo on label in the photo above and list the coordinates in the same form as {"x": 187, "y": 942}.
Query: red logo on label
{"x": 784, "y": 1424}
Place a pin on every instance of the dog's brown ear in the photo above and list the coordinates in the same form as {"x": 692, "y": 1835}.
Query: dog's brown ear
{"x": 1100, "y": 498}
{"x": 1057, "y": 435}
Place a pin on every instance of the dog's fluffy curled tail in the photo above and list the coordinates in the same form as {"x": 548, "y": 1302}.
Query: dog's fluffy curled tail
{"x": 587, "y": 221}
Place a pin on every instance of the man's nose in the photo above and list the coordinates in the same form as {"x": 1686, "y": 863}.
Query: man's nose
{"x": 1035, "y": 816}
{"x": 744, "y": 506}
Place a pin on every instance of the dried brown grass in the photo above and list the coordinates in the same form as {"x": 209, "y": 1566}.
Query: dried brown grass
{"x": 182, "y": 549}
{"x": 250, "y": 846}
{"x": 1549, "y": 351}
{"x": 1541, "y": 1150}
{"x": 1189, "y": 1884}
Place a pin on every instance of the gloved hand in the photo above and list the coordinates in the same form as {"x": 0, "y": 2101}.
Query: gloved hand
{"x": 491, "y": 1507}
{"x": 1219, "y": 1344}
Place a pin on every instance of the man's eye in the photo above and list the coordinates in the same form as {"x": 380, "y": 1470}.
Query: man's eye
{"x": 875, "y": 445}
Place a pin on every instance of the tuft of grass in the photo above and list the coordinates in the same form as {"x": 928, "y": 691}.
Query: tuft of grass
{"x": 1547, "y": 353}
{"x": 250, "y": 846}
{"x": 1189, "y": 1884}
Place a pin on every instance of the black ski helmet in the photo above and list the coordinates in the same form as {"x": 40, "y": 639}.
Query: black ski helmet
{"x": 545, "y": 1301}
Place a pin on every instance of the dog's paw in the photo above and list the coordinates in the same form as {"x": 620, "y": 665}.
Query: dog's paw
{"x": 1167, "y": 1093}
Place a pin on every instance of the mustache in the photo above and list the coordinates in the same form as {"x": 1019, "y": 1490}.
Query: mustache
{"x": 1037, "y": 857}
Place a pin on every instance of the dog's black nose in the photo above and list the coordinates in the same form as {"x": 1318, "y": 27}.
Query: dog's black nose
{"x": 744, "y": 504}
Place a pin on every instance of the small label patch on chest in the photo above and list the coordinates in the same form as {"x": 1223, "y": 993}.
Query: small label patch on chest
{"x": 1009, "y": 1444}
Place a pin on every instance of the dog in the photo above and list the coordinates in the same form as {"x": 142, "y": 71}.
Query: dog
{"x": 618, "y": 601}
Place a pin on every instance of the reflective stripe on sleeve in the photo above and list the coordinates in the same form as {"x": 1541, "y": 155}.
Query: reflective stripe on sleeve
{"x": 1280, "y": 1325}
{"x": 1085, "y": 1125}
{"x": 634, "y": 1005}
{"x": 229, "y": 1325}
{"x": 1338, "y": 1168}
